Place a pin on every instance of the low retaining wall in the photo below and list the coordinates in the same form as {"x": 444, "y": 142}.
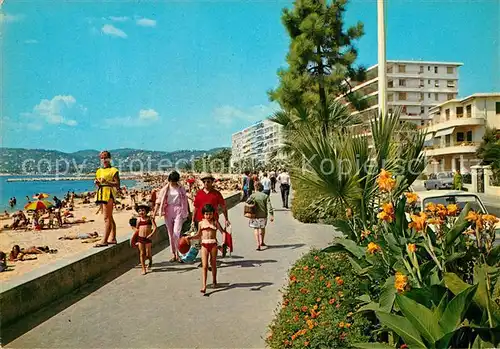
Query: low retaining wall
{"x": 34, "y": 290}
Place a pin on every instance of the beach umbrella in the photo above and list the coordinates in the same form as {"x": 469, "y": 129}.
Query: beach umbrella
{"x": 41, "y": 196}
{"x": 38, "y": 205}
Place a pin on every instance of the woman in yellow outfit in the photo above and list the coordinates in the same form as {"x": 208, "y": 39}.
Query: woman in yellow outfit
{"x": 107, "y": 182}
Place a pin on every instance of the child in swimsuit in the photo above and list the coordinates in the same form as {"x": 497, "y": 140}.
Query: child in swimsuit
{"x": 145, "y": 228}
{"x": 207, "y": 230}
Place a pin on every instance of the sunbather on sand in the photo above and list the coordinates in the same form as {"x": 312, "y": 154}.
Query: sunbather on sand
{"x": 21, "y": 254}
{"x": 81, "y": 236}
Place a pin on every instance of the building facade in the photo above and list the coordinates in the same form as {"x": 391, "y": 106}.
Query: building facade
{"x": 414, "y": 86}
{"x": 456, "y": 129}
{"x": 256, "y": 144}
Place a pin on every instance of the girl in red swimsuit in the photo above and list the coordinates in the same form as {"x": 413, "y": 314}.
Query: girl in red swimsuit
{"x": 145, "y": 228}
{"x": 207, "y": 230}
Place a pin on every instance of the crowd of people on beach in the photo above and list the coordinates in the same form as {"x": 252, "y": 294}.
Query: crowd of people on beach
{"x": 178, "y": 199}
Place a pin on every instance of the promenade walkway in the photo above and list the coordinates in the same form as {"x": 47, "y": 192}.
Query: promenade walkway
{"x": 165, "y": 309}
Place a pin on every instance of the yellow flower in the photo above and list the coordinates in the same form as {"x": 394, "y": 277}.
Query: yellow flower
{"x": 418, "y": 221}
{"x": 385, "y": 181}
{"x": 452, "y": 209}
{"x": 372, "y": 248}
{"x": 411, "y": 198}
{"x": 475, "y": 218}
{"x": 431, "y": 207}
{"x": 341, "y": 324}
{"x": 400, "y": 282}
{"x": 412, "y": 247}
{"x": 387, "y": 213}
{"x": 435, "y": 221}
{"x": 490, "y": 218}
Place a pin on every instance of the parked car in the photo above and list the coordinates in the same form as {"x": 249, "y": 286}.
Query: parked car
{"x": 442, "y": 180}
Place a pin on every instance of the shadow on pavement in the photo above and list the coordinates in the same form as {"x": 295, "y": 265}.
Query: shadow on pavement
{"x": 27, "y": 323}
{"x": 246, "y": 263}
{"x": 292, "y": 246}
{"x": 253, "y": 286}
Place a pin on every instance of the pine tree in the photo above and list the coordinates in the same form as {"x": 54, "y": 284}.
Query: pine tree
{"x": 320, "y": 59}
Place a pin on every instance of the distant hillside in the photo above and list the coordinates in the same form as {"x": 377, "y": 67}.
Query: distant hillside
{"x": 33, "y": 161}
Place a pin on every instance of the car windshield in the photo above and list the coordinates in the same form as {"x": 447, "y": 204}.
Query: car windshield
{"x": 444, "y": 175}
{"x": 460, "y": 200}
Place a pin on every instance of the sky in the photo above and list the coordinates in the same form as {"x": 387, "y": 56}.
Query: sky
{"x": 169, "y": 75}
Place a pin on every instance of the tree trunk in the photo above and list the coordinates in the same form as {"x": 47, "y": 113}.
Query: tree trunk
{"x": 322, "y": 95}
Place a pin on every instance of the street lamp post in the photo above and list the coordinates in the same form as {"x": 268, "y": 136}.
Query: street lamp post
{"x": 382, "y": 70}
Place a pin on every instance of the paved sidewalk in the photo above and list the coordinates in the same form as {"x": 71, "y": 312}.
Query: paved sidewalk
{"x": 165, "y": 309}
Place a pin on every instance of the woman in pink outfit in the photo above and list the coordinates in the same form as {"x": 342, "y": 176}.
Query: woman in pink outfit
{"x": 172, "y": 203}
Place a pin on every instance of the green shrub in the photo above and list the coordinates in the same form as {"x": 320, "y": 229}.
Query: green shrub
{"x": 307, "y": 209}
{"x": 319, "y": 305}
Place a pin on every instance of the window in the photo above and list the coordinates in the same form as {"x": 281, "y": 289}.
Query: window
{"x": 421, "y": 83}
{"x": 449, "y": 70}
{"x": 460, "y": 112}
{"x": 402, "y": 82}
{"x": 468, "y": 110}
{"x": 390, "y": 83}
{"x": 428, "y": 95}
{"x": 447, "y": 140}
{"x": 390, "y": 97}
{"x": 402, "y": 96}
{"x": 404, "y": 109}
{"x": 436, "y": 97}
{"x": 428, "y": 82}
{"x": 450, "y": 83}
{"x": 450, "y": 96}
{"x": 429, "y": 68}
{"x": 422, "y": 123}
{"x": 436, "y": 83}
{"x": 447, "y": 113}
{"x": 389, "y": 69}
{"x": 421, "y": 96}
{"x": 497, "y": 107}
{"x": 460, "y": 136}
{"x": 422, "y": 110}
{"x": 435, "y": 70}
{"x": 421, "y": 68}
{"x": 401, "y": 68}
{"x": 469, "y": 136}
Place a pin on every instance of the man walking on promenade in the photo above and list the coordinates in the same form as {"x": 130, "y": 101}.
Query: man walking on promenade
{"x": 208, "y": 195}
{"x": 272, "y": 177}
{"x": 284, "y": 180}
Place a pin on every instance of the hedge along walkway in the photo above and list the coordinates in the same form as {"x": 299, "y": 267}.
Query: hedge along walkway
{"x": 165, "y": 309}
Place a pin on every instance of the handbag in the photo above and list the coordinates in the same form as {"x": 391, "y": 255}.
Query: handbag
{"x": 249, "y": 210}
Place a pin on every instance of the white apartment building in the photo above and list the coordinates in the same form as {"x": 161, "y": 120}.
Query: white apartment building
{"x": 456, "y": 129}
{"x": 414, "y": 86}
{"x": 256, "y": 143}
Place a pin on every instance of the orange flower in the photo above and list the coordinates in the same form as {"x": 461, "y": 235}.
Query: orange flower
{"x": 310, "y": 324}
{"x": 452, "y": 209}
{"x": 306, "y": 343}
{"x": 435, "y": 221}
{"x": 385, "y": 181}
{"x": 431, "y": 207}
{"x": 318, "y": 300}
{"x": 322, "y": 267}
{"x": 412, "y": 248}
{"x": 305, "y": 268}
{"x": 411, "y": 198}
{"x": 328, "y": 285}
{"x": 293, "y": 278}
{"x": 365, "y": 233}
{"x": 489, "y": 218}
{"x": 400, "y": 282}
{"x": 348, "y": 212}
{"x": 372, "y": 248}
{"x": 341, "y": 324}
{"x": 316, "y": 258}
{"x": 387, "y": 213}
{"x": 418, "y": 221}
{"x": 339, "y": 281}
{"x": 304, "y": 308}
{"x": 475, "y": 218}
{"x": 347, "y": 325}
{"x": 315, "y": 307}
{"x": 349, "y": 314}
{"x": 296, "y": 318}
{"x": 321, "y": 278}
{"x": 331, "y": 301}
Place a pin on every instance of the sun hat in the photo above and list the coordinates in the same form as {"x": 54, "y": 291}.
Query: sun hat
{"x": 207, "y": 176}
{"x": 142, "y": 205}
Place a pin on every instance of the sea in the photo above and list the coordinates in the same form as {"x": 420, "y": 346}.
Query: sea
{"x": 55, "y": 188}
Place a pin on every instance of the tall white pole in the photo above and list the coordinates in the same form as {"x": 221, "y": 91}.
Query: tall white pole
{"x": 382, "y": 70}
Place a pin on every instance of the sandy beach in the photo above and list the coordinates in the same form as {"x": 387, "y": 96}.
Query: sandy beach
{"x": 50, "y": 237}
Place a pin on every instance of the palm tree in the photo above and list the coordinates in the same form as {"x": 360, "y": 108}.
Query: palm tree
{"x": 343, "y": 167}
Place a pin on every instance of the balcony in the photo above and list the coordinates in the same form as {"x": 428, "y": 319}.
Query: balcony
{"x": 451, "y": 148}
{"x": 434, "y": 127}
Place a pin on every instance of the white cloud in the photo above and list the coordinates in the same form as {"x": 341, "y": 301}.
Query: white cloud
{"x": 228, "y": 114}
{"x": 109, "y": 29}
{"x": 148, "y": 115}
{"x": 146, "y": 22}
{"x": 118, "y": 19}
{"x": 31, "y": 41}
{"x": 59, "y": 110}
{"x": 145, "y": 117}
{"x": 8, "y": 18}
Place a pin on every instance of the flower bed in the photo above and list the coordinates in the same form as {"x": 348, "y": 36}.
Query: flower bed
{"x": 319, "y": 305}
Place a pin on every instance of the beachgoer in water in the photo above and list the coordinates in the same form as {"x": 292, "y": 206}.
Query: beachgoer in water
{"x": 145, "y": 228}
{"x": 207, "y": 231}
{"x": 107, "y": 180}
{"x": 172, "y": 203}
